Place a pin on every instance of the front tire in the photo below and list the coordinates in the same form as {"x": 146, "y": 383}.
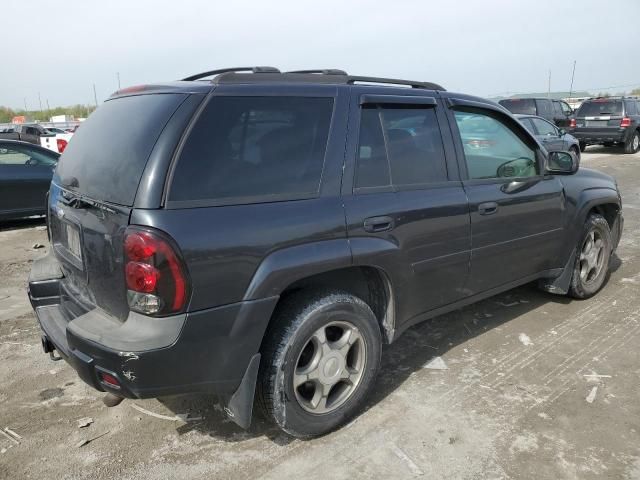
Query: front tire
{"x": 320, "y": 359}
{"x": 633, "y": 144}
{"x": 591, "y": 267}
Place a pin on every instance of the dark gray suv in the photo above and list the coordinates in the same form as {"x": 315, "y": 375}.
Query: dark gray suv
{"x": 262, "y": 234}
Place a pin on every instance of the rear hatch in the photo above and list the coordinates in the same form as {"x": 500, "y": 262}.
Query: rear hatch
{"x": 92, "y": 194}
{"x": 598, "y": 115}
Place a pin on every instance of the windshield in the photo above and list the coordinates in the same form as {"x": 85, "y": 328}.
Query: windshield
{"x": 597, "y": 108}
{"x": 526, "y": 106}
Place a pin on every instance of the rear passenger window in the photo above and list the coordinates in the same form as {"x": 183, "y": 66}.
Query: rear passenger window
{"x": 253, "y": 148}
{"x": 493, "y": 150}
{"x": 399, "y": 146}
{"x": 544, "y": 108}
{"x": 631, "y": 108}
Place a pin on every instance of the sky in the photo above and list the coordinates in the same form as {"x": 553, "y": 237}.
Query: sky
{"x": 484, "y": 47}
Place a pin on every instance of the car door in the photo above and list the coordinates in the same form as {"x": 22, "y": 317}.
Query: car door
{"x": 406, "y": 210}
{"x": 516, "y": 211}
{"x": 25, "y": 175}
{"x": 549, "y": 135}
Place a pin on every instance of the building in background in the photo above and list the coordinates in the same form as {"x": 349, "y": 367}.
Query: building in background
{"x": 61, "y": 119}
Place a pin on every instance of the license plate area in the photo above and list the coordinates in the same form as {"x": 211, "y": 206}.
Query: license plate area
{"x": 69, "y": 243}
{"x": 596, "y": 123}
{"x": 72, "y": 234}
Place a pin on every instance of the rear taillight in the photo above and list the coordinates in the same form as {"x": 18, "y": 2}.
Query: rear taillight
{"x": 625, "y": 122}
{"x": 572, "y": 123}
{"x": 155, "y": 274}
{"x": 62, "y": 144}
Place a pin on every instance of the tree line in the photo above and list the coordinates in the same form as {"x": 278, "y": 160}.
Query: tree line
{"x": 76, "y": 111}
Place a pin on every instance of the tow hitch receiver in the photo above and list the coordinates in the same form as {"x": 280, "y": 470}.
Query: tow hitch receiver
{"x": 49, "y": 348}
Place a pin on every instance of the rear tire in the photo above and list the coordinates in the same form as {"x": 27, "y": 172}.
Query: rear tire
{"x": 633, "y": 144}
{"x": 593, "y": 253}
{"x": 583, "y": 146}
{"x": 320, "y": 359}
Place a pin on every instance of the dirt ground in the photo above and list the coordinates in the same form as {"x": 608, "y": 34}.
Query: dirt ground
{"x": 527, "y": 385}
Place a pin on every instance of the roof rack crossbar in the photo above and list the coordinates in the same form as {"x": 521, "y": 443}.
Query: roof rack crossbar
{"x": 198, "y": 76}
{"x": 323, "y": 71}
{"x": 395, "y": 81}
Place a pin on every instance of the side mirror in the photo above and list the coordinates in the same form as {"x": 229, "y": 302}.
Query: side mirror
{"x": 562, "y": 163}
{"x": 562, "y": 132}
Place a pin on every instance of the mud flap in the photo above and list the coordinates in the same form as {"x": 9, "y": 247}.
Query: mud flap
{"x": 560, "y": 284}
{"x": 240, "y": 406}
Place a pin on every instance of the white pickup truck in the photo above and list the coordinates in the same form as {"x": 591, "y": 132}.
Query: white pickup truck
{"x": 34, "y": 133}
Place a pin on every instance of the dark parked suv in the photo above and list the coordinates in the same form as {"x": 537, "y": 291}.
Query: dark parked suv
{"x": 608, "y": 121}
{"x": 268, "y": 232}
{"x": 556, "y": 111}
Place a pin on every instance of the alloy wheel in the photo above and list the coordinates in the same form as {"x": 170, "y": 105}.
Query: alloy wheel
{"x": 591, "y": 257}
{"x": 330, "y": 367}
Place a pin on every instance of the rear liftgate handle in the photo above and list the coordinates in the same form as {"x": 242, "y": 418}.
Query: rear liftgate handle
{"x": 488, "y": 208}
{"x": 378, "y": 224}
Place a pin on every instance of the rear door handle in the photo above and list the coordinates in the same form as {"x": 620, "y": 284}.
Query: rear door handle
{"x": 488, "y": 208}
{"x": 378, "y": 224}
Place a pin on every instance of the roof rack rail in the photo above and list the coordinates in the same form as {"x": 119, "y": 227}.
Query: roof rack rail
{"x": 199, "y": 76}
{"x": 394, "y": 81}
{"x": 323, "y": 71}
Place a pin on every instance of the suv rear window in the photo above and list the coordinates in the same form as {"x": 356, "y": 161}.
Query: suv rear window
{"x": 525, "y": 106}
{"x": 597, "y": 108}
{"x": 245, "y": 149}
{"x": 107, "y": 155}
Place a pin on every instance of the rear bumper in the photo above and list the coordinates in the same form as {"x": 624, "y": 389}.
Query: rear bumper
{"x": 205, "y": 351}
{"x": 601, "y": 136}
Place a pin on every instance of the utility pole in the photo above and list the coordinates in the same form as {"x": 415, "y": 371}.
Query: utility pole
{"x": 118, "y": 75}
{"x": 549, "y": 86}
{"x": 40, "y": 101}
{"x": 573, "y": 74}
{"x": 95, "y": 95}
{"x": 25, "y": 105}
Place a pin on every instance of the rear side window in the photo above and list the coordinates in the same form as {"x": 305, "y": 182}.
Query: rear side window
{"x": 107, "y": 155}
{"x": 524, "y": 106}
{"x": 631, "y": 107}
{"x": 543, "y": 127}
{"x": 598, "y": 108}
{"x": 254, "y": 148}
{"x": 399, "y": 146}
{"x": 557, "y": 109}
{"x": 544, "y": 107}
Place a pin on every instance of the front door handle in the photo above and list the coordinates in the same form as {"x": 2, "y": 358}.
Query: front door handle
{"x": 488, "y": 208}
{"x": 378, "y": 224}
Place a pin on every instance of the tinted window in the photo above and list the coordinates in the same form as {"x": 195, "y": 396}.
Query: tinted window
{"x": 566, "y": 108}
{"x": 243, "y": 147}
{"x": 106, "y": 157}
{"x": 597, "y": 108}
{"x": 544, "y": 128}
{"x": 544, "y": 107}
{"x": 414, "y": 151}
{"x": 492, "y": 149}
{"x": 372, "y": 162}
{"x": 19, "y": 155}
{"x": 630, "y": 107}
{"x": 557, "y": 109}
{"x": 525, "y": 106}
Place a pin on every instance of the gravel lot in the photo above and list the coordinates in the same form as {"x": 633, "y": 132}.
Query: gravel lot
{"x": 535, "y": 386}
